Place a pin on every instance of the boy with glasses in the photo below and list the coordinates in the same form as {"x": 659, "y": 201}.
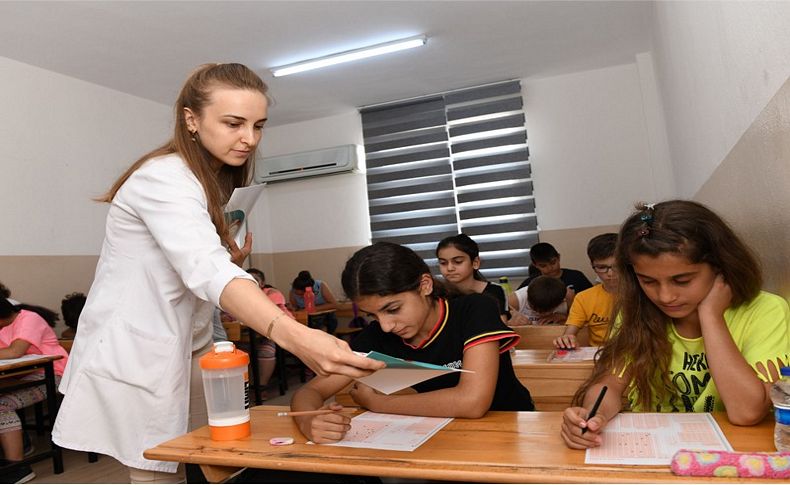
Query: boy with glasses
{"x": 593, "y": 307}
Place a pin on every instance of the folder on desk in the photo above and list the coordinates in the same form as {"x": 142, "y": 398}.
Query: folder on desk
{"x": 400, "y": 374}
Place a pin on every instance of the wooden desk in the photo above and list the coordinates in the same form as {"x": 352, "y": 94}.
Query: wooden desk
{"x": 542, "y": 336}
{"x": 500, "y": 447}
{"x": 7, "y": 371}
{"x": 551, "y": 384}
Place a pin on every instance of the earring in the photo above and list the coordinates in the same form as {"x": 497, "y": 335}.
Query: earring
{"x": 194, "y": 135}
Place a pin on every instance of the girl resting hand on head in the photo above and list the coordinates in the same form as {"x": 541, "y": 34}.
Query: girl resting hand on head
{"x": 693, "y": 332}
{"x": 163, "y": 269}
{"x": 413, "y": 321}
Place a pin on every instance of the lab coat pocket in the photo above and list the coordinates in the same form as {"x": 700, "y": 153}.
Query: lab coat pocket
{"x": 132, "y": 356}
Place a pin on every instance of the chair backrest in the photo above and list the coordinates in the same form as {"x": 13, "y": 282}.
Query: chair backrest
{"x": 542, "y": 336}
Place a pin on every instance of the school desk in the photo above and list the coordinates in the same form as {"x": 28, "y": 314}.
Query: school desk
{"x": 8, "y": 383}
{"x": 551, "y": 384}
{"x": 542, "y": 336}
{"x": 513, "y": 447}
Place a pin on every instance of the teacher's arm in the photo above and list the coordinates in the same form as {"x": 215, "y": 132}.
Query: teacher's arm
{"x": 320, "y": 351}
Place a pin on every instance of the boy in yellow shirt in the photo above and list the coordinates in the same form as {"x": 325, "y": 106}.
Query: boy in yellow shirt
{"x": 593, "y": 307}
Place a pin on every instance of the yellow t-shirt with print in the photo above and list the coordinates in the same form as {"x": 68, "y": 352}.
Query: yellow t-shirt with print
{"x": 592, "y": 307}
{"x": 760, "y": 330}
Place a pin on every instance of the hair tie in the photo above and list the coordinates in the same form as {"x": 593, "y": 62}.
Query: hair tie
{"x": 647, "y": 218}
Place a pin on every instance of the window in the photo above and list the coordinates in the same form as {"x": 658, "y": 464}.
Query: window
{"x": 449, "y": 163}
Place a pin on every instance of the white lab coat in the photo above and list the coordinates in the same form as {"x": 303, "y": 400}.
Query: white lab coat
{"x": 162, "y": 269}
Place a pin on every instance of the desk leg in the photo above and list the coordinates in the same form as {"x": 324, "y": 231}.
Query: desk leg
{"x": 52, "y": 406}
{"x": 254, "y": 366}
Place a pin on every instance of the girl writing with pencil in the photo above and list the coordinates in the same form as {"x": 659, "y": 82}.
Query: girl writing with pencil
{"x": 415, "y": 321}
{"x": 693, "y": 332}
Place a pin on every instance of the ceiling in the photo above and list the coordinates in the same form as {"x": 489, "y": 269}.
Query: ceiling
{"x": 148, "y": 48}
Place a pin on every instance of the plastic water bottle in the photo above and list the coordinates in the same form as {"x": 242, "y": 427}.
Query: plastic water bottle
{"x": 309, "y": 300}
{"x": 505, "y": 284}
{"x": 227, "y": 388}
{"x": 780, "y": 395}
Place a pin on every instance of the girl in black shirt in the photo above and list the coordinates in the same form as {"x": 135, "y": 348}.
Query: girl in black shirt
{"x": 394, "y": 286}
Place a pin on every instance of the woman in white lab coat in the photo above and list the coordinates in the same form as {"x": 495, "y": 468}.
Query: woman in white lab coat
{"x": 162, "y": 270}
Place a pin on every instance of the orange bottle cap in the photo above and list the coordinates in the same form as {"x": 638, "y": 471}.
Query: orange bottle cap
{"x": 224, "y": 356}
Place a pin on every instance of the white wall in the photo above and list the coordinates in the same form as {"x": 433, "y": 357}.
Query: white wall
{"x": 596, "y": 145}
{"x": 312, "y": 213}
{"x": 718, "y": 65}
{"x": 64, "y": 142}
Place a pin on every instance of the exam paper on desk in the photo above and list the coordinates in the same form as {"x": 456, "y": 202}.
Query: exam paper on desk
{"x": 400, "y": 374}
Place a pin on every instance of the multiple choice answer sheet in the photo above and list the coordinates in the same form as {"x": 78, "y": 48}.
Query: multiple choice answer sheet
{"x": 653, "y": 438}
{"x": 390, "y": 431}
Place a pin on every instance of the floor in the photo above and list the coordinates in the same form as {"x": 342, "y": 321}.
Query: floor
{"x": 108, "y": 470}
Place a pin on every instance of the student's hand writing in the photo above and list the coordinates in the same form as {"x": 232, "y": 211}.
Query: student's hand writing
{"x": 518, "y": 320}
{"x": 718, "y": 298}
{"x": 238, "y": 255}
{"x": 326, "y": 354}
{"x": 325, "y": 428}
{"x": 365, "y": 396}
{"x": 573, "y": 421}
{"x": 566, "y": 342}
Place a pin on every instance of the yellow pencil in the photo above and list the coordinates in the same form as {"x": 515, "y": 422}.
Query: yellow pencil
{"x": 317, "y": 412}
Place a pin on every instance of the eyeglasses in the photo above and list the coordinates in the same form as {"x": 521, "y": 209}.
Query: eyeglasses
{"x": 602, "y": 268}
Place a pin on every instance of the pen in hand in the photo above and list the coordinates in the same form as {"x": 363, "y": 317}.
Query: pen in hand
{"x": 316, "y": 412}
{"x": 595, "y": 407}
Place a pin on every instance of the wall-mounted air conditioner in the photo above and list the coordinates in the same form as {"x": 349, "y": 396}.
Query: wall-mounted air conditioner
{"x": 306, "y": 164}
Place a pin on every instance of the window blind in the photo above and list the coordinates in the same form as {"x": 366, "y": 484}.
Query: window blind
{"x": 449, "y": 163}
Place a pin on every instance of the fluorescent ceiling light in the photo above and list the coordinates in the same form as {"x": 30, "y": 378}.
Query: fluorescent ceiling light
{"x": 353, "y": 55}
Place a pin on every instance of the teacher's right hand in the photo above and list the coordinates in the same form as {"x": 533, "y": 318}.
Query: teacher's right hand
{"x": 573, "y": 422}
{"x": 326, "y": 354}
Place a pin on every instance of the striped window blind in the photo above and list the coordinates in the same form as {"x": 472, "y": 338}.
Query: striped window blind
{"x": 449, "y": 163}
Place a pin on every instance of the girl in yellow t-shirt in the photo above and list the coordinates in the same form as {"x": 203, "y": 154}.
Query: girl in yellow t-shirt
{"x": 695, "y": 333}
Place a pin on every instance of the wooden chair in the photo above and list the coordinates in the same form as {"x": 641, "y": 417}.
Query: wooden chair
{"x": 542, "y": 336}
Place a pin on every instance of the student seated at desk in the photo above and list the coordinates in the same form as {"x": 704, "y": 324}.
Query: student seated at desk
{"x": 459, "y": 262}
{"x": 544, "y": 302}
{"x": 22, "y": 332}
{"x": 592, "y": 308}
{"x": 71, "y": 307}
{"x": 415, "y": 322}
{"x": 324, "y": 300}
{"x": 266, "y": 348}
{"x": 694, "y": 331}
{"x": 547, "y": 260}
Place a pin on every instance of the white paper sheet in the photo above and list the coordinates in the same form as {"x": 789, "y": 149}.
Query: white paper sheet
{"x": 576, "y": 355}
{"x": 653, "y": 438}
{"x": 400, "y": 374}
{"x": 238, "y": 210}
{"x": 24, "y": 358}
{"x": 390, "y": 431}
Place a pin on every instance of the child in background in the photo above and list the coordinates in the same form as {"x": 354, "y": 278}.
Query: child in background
{"x": 544, "y": 302}
{"x": 593, "y": 307}
{"x": 547, "y": 260}
{"x": 266, "y": 348}
{"x": 70, "y": 308}
{"x": 23, "y": 332}
{"x": 415, "y": 322}
{"x": 459, "y": 262}
{"x": 694, "y": 332}
{"x": 324, "y": 300}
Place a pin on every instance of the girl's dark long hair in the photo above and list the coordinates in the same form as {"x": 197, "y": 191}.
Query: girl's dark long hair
{"x": 465, "y": 244}
{"x": 196, "y": 95}
{"x": 386, "y": 269}
{"x": 7, "y": 309}
{"x": 680, "y": 227}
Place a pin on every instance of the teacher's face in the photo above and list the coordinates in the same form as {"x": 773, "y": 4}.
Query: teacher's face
{"x": 230, "y": 125}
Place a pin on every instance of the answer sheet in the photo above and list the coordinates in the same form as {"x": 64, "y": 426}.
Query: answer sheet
{"x": 576, "y": 355}
{"x": 653, "y": 438}
{"x": 390, "y": 431}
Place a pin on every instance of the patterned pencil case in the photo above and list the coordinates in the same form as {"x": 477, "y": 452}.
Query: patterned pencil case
{"x": 731, "y": 464}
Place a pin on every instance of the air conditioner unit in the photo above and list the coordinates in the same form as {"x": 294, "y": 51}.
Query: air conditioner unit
{"x": 306, "y": 164}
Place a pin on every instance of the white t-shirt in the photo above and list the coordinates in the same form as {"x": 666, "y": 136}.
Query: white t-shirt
{"x": 532, "y": 315}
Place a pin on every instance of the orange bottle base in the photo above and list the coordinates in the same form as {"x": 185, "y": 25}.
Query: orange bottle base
{"x": 227, "y": 433}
